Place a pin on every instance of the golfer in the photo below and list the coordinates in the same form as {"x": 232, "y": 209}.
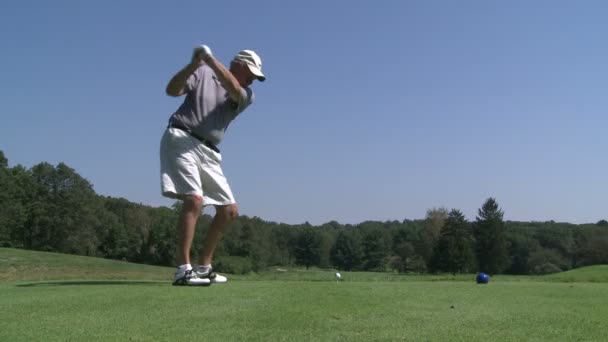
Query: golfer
{"x": 189, "y": 155}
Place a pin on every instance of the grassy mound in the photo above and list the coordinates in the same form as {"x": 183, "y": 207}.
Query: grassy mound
{"x": 24, "y": 265}
{"x": 591, "y": 274}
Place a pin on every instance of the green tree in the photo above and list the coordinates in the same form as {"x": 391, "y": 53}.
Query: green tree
{"x": 374, "y": 250}
{"x": 596, "y": 250}
{"x": 521, "y": 245}
{"x": 115, "y": 243}
{"x": 13, "y": 211}
{"x": 3, "y": 161}
{"x": 429, "y": 233}
{"x": 454, "y": 250}
{"x": 547, "y": 260}
{"x": 560, "y": 237}
{"x": 255, "y": 243}
{"x": 327, "y": 241}
{"x": 490, "y": 241}
{"x": 162, "y": 240}
{"x": 14, "y": 214}
{"x": 62, "y": 209}
{"x": 405, "y": 257}
{"x": 282, "y": 236}
{"x": 138, "y": 224}
{"x": 308, "y": 247}
{"x": 591, "y": 245}
{"x": 346, "y": 252}
{"x": 112, "y": 235}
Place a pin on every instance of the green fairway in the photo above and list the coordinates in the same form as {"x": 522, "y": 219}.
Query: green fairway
{"x": 594, "y": 274}
{"x": 288, "y": 305}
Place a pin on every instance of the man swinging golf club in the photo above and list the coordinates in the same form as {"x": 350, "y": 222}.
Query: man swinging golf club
{"x": 190, "y": 160}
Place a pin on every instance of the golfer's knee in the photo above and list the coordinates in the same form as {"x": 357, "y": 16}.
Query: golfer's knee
{"x": 227, "y": 213}
{"x": 193, "y": 203}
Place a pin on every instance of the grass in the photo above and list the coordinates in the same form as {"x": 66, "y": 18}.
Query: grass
{"x": 17, "y": 264}
{"x": 594, "y": 274}
{"x": 118, "y": 301}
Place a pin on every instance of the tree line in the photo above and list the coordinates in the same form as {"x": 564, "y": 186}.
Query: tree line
{"x": 52, "y": 208}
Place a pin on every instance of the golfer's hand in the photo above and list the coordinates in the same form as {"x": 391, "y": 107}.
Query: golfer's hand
{"x": 200, "y": 54}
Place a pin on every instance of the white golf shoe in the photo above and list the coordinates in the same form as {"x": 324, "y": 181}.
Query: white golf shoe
{"x": 190, "y": 278}
{"x": 210, "y": 275}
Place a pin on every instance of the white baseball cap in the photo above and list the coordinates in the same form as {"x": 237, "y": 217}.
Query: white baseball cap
{"x": 253, "y": 61}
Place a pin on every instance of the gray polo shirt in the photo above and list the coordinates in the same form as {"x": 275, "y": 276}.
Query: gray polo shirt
{"x": 208, "y": 109}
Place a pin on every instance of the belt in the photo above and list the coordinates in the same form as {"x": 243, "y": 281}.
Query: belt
{"x": 201, "y": 139}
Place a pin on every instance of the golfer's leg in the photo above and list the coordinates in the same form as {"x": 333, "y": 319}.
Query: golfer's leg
{"x": 180, "y": 179}
{"x": 186, "y": 224}
{"x": 224, "y": 215}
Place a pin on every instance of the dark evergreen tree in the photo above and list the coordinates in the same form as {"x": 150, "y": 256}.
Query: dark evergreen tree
{"x": 454, "y": 250}
{"x": 490, "y": 241}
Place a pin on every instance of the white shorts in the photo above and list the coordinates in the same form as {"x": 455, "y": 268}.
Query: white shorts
{"x": 188, "y": 167}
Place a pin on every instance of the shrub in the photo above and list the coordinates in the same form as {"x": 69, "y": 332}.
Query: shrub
{"x": 233, "y": 265}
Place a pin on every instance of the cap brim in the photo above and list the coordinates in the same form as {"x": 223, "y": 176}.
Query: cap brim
{"x": 257, "y": 72}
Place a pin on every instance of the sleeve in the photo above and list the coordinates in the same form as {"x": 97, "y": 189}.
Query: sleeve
{"x": 247, "y": 99}
{"x": 194, "y": 79}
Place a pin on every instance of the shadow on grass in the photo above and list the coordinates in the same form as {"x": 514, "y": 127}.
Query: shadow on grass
{"x": 94, "y": 282}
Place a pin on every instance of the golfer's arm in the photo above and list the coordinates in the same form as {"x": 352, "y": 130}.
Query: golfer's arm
{"x": 226, "y": 78}
{"x": 177, "y": 85}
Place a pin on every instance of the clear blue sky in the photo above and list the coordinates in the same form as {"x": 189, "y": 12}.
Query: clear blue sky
{"x": 372, "y": 110}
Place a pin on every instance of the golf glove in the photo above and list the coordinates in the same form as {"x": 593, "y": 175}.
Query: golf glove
{"x": 202, "y": 51}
